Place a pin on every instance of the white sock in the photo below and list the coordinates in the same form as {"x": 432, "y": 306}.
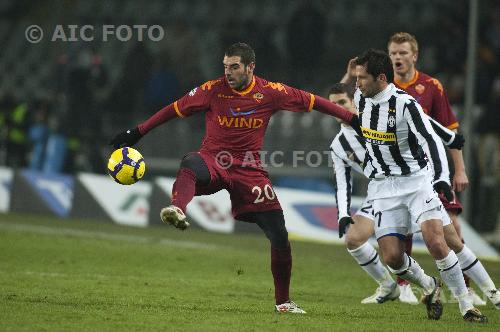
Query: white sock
{"x": 412, "y": 272}
{"x": 369, "y": 260}
{"x": 473, "y": 268}
{"x": 452, "y": 276}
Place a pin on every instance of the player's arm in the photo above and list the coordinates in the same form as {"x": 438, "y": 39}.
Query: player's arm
{"x": 460, "y": 179}
{"x": 438, "y": 139}
{"x": 441, "y": 111}
{"x": 296, "y": 100}
{"x": 450, "y": 138}
{"x": 343, "y": 184}
{"x": 196, "y": 100}
{"x": 421, "y": 127}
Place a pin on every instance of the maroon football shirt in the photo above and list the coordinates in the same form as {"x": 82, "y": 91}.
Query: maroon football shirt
{"x": 430, "y": 94}
{"x": 236, "y": 121}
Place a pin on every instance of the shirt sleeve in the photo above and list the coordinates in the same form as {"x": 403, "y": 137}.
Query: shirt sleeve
{"x": 421, "y": 127}
{"x": 291, "y": 99}
{"x": 446, "y": 135}
{"x": 196, "y": 100}
{"x": 343, "y": 184}
{"x": 441, "y": 109}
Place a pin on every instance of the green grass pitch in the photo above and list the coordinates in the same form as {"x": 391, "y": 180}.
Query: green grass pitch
{"x": 77, "y": 275}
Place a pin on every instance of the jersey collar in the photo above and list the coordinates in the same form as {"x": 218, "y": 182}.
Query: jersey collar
{"x": 407, "y": 84}
{"x": 382, "y": 95}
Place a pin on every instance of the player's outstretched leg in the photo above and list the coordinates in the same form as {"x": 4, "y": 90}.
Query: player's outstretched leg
{"x": 193, "y": 171}
{"x": 451, "y": 274}
{"x": 406, "y": 293}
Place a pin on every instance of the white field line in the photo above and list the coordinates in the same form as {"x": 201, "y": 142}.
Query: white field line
{"x": 61, "y": 231}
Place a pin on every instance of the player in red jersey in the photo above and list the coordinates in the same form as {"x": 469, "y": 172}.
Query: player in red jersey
{"x": 238, "y": 108}
{"x": 429, "y": 92}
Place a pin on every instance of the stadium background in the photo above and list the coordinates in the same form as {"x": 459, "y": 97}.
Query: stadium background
{"x": 84, "y": 92}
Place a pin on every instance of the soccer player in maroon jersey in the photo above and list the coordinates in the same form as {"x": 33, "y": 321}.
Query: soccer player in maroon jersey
{"x": 238, "y": 107}
{"x": 429, "y": 92}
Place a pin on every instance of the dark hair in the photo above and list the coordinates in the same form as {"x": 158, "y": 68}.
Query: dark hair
{"x": 244, "y": 51}
{"x": 377, "y": 62}
{"x": 339, "y": 88}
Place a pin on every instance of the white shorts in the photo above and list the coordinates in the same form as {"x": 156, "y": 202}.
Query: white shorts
{"x": 412, "y": 200}
{"x": 366, "y": 210}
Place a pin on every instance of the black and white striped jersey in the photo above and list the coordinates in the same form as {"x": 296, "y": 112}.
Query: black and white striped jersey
{"x": 348, "y": 154}
{"x": 396, "y": 131}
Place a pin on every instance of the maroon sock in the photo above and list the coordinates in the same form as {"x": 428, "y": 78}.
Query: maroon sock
{"x": 281, "y": 267}
{"x": 408, "y": 247}
{"x": 184, "y": 188}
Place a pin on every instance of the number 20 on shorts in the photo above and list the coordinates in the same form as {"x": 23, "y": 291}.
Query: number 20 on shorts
{"x": 263, "y": 193}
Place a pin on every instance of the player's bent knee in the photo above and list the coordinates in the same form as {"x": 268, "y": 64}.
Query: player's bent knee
{"x": 272, "y": 224}
{"x": 353, "y": 240}
{"x": 194, "y": 162}
{"x": 394, "y": 260}
{"x": 452, "y": 239}
{"x": 437, "y": 247}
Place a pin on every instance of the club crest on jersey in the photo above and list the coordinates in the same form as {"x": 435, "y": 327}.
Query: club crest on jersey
{"x": 192, "y": 92}
{"x": 391, "y": 122}
{"x": 258, "y": 96}
{"x": 420, "y": 88}
{"x": 378, "y": 137}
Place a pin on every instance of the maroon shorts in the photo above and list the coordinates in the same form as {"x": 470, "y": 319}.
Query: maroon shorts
{"x": 454, "y": 205}
{"x": 249, "y": 188}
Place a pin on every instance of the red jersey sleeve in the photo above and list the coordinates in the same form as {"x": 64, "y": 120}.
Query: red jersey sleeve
{"x": 291, "y": 99}
{"x": 296, "y": 100}
{"x": 196, "y": 100}
{"x": 441, "y": 109}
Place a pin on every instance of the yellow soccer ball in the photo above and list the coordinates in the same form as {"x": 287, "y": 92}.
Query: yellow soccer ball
{"x": 126, "y": 166}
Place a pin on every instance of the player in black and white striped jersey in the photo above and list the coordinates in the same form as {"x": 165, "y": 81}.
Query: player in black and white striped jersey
{"x": 401, "y": 192}
{"x": 348, "y": 150}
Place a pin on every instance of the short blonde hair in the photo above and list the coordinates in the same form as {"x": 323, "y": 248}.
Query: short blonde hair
{"x": 403, "y": 37}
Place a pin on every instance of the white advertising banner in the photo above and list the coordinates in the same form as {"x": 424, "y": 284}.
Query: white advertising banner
{"x": 127, "y": 205}
{"x": 6, "y": 176}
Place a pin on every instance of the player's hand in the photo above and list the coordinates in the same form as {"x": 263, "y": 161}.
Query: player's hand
{"x": 126, "y": 138}
{"x": 351, "y": 67}
{"x": 356, "y": 125}
{"x": 350, "y": 74}
{"x": 460, "y": 181}
{"x": 343, "y": 223}
{"x": 441, "y": 187}
{"x": 457, "y": 143}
